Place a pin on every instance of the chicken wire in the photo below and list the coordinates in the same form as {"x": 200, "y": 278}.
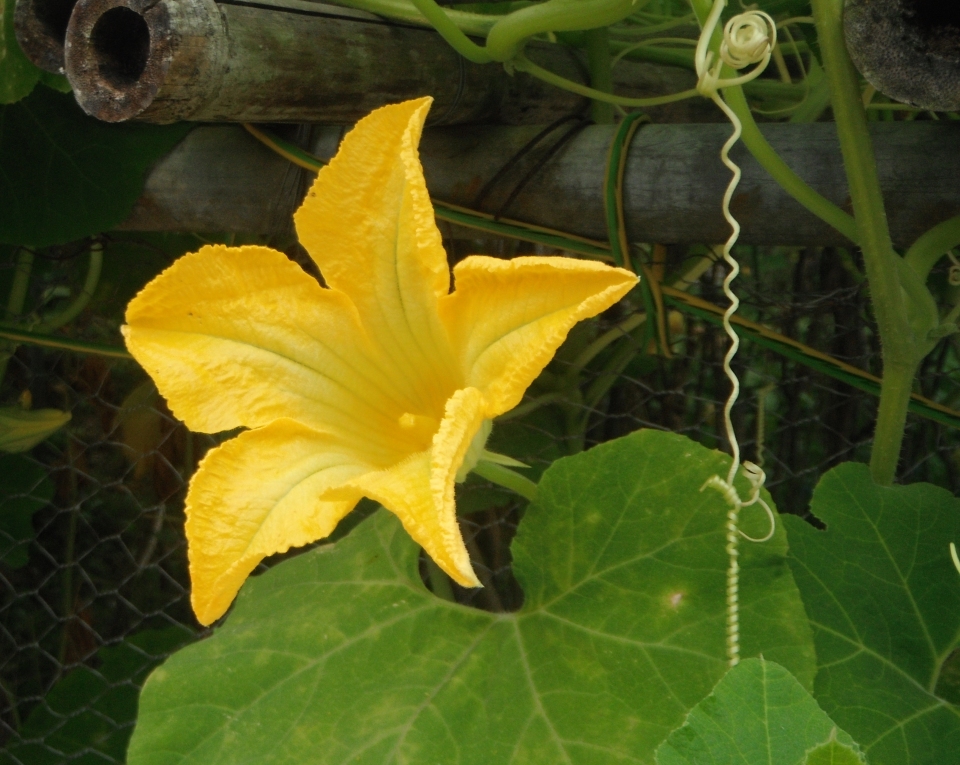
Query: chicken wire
{"x": 93, "y": 584}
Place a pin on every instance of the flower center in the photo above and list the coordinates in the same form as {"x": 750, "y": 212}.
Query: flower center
{"x": 420, "y": 428}
{"x": 474, "y": 451}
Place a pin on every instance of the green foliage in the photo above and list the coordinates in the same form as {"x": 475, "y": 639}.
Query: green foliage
{"x": 884, "y": 601}
{"x": 758, "y": 714}
{"x": 88, "y": 716}
{"x": 342, "y": 654}
{"x": 17, "y": 74}
{"x": 22, "y": 429}
{"x": 67, "y": 175}
{"x": 25, "y": 488}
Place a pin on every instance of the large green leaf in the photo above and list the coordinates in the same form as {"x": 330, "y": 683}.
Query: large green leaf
{"x": 341, "y": 654}
{"x": 884, "y": 601}
{"x": 757, "y": 715}
{"x": 66, "y": 175}
{"x": 87, "y": 717}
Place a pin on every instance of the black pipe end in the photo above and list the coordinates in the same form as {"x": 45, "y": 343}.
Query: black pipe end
{"x": 41, "y": 27}
{"x": 116, "y": 55}
{"x": 120, "y": 42}
{"x": 907, "y": 49}
{"x": 936, "y": 25}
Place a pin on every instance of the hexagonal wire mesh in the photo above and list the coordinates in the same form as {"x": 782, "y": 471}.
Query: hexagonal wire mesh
{"x": 93, "y": 578}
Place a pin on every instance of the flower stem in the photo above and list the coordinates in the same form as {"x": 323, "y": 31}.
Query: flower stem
{"x": 508, "y": 479}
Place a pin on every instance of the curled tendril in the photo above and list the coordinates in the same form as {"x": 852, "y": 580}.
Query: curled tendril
{"x": 748, "y": 38}
{"x": 755, "y": 475}
{"x": 757, "y": 478}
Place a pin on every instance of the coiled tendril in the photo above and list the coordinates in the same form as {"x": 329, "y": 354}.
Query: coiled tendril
{"x": 748, "y": 38}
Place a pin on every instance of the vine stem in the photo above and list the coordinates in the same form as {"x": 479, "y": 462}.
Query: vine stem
{"x": 601, "y": 72}
{"x": 933, "y": 245}
{"x": 900, "y": 356}
{"x": 68, "y": 314}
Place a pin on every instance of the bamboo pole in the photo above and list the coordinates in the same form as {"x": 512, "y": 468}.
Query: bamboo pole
{"x": 298, "y": 61}
{"x": 220, "y": 179}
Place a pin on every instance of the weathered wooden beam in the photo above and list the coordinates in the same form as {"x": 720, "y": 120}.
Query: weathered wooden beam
{"x": 220, "y": 179}
{"x": 299, "y": 61}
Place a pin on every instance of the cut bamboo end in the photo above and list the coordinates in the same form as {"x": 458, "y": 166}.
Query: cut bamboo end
{"x": 41, "y": 26}
{"x": 907, "y": 49}
{"x": 121, "y": 56}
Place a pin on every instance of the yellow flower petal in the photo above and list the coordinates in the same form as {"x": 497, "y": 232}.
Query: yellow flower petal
{"x": 506, "y": 318}
{"x": 242, "y": 336}
{"x": 420, "y": 490}
{"x": 381, "y": 385}
{"x": 257, "y": 495}
{"x": 369, "y": 225}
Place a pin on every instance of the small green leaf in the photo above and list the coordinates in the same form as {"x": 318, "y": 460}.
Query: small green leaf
{"x": 884, "y": 601}
{"x": 56, "y": 81}
{"x": 342, "y": 655}
{"x": 833, "y": 753}
{"x": 758, "y": 714}
{"x": 25, "y": 488}
{"x": 22, "y": 429}
{"x": 18, "y": 75}
{"x": 67, "y": 175}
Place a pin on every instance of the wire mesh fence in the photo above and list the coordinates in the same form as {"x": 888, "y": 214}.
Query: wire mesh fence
{"x": 94, "y": 590}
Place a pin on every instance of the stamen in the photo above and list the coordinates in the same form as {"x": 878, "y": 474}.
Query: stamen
{"x": 419, "y": 428}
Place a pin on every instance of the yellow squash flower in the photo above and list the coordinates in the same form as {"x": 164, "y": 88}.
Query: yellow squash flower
{"x": 381, "y": 385}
